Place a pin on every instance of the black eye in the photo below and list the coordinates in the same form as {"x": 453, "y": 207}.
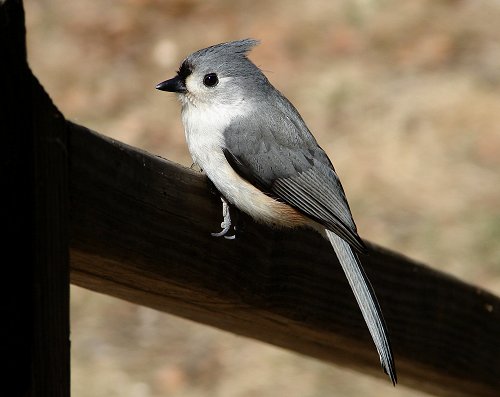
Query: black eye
{"x": 210, "y": 80}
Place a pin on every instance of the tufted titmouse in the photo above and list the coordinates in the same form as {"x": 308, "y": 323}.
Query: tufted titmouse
{"x": 255, "y": 148}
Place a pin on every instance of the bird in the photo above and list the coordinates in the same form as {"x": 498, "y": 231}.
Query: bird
{"x": 256, "y": 149}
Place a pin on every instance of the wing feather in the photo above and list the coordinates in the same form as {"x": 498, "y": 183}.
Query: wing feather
{"x": 293, "y": 170}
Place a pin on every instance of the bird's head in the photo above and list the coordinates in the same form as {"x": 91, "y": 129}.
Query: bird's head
{"x": 218, "y": 75}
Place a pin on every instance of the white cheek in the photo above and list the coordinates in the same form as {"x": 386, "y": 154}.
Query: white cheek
{"x": 223, "y": 92}
{"x": 192, "y": 86}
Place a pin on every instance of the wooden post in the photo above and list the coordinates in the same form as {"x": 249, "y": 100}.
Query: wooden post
{"x": 35, "y": 271}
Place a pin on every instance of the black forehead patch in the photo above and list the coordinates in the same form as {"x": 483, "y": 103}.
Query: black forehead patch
{"x": 185, "y": 70}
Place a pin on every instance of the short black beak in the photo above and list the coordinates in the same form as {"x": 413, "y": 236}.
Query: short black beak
{"x": 173, "y": 85}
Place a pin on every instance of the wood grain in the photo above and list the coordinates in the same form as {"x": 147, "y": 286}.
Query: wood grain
{"x": 140, "y": 228}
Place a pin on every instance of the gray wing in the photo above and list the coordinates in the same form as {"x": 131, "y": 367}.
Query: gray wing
{"x": 280, "y": 156}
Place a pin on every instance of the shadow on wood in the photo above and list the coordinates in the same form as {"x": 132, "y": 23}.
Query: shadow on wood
{"x": 140, "y": 229}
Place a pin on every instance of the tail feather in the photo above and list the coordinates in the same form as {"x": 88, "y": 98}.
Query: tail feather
{"x": 367, "y": 301}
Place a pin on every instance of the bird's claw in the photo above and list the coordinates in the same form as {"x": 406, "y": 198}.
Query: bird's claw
{"x": 226, "y": 223}
{"x": 225, "y": 228}
{"x": 232, "y": 237}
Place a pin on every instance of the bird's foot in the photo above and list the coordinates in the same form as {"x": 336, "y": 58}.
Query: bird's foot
{"x": 226, "y": 223}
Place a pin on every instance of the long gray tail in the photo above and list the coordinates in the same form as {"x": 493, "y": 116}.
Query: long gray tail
{"x": 367, "y": 301}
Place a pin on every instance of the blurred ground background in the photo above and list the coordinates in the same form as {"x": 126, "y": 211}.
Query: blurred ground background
{"x": 405, "y": 98}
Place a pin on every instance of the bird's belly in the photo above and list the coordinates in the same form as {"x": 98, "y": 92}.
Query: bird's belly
{"x": 245, "y": 196}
